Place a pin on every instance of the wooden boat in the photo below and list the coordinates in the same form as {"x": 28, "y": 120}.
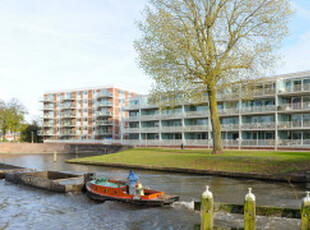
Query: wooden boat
{"x": 108, "y": 189}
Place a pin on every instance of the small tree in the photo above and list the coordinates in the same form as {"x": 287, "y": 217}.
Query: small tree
{"x": 200, "y": 47}
{"x": 11, "y": 117}
{"x": 30, "y": 132}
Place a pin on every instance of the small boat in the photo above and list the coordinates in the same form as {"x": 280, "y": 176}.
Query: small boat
{"x": 130, "y": 191}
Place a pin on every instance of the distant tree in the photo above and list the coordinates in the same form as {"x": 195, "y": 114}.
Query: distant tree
{"x": 11, "y": 117}
{"x": 30, "y": 131}
{"x": 200, "y": 47}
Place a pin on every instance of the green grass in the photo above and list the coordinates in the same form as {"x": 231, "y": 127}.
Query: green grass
{"x": 264, "y": 162}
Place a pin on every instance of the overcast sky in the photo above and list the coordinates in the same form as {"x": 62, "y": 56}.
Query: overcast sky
{"x": 61, "y": 44}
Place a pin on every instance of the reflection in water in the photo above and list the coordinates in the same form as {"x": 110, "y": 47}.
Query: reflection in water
{"x": 23, "y": 207}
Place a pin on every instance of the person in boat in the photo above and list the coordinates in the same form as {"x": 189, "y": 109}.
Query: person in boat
{"x": 132, "y": 181}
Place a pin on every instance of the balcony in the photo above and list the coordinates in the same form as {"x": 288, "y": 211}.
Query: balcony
{"x": 107, "y": 104}
{"x": 104, "y": 133}
{"x": 165, "y": 116}
{"x": 104, "y": 114}
{"x": 202, "y": 128}
{"x": 229, "y": 126}
{"x": 262, "y": 125}
{"x": 194, "y": 114}
{"x": 290, "y": 142}
{"x": 132, "y": 130}
{"x": 149, "y": 117}
{"x": 104, "y": 123}
{"x": 67, "y": 115}
{"x": 294, "y": 107}
{"x": 65, "y": 98}
{"x": 67, "y": 133}
{"x": 46, "y": 125}
{"x": 290, "y": 124}
{"x": 228, "y": 111}
{"x": 171, "y": 128}
{"x": 48, "y": 116}
{"x": 104, "y": 94}
{"x": 47, "y": 99}
{"x": 132, "y": 118}
{"x": 67, "y": 107}
{"x": 48, "y": 108}
{"x": 258, "y": 142}
{"x": 68, "y": 124}
{"x": 228, "y": 142}
{"x": 259, "y": 109}
{"x": 200, "y": 142}
{"x": 150, "y": 129}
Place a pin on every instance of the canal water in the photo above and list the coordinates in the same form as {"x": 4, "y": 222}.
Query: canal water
{"x": 23, "y": 207}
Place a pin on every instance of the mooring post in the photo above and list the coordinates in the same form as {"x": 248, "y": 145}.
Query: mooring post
{"x": 249, "y": 211}
{"x": 305, "y": 213}
{"x": 55, "y": 156}
{"x": 206, "y": 210}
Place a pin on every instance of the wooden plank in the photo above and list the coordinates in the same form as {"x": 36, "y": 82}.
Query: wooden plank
{"x": 260, "y": 210}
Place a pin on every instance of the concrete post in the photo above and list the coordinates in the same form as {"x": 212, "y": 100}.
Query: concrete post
{"x": 206, "y": 211}
{"x": 305, "y": 213}
{"x": 249, "y": 211}
{"x": 55, "y": 156}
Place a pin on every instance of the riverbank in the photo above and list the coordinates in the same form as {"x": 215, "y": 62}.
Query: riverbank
{"x": 266, "y": 165}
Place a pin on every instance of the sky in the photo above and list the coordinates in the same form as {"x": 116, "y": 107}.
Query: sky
{"x": 63, "y": 44}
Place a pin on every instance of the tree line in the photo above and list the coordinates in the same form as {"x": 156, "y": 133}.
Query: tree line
{"x": 12, "y": 120}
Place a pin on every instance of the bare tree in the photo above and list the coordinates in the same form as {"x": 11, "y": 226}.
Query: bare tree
{"x": 200, "y": 47}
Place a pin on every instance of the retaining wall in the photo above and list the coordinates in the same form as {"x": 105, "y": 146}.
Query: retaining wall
{"x": 47, "y": 148}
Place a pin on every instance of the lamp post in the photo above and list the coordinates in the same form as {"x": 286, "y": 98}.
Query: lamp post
{"x": 32, "y": 137}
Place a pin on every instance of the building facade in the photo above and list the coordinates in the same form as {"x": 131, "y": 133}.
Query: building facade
{"x": 277, "y": 116}
{"x": 84, "y": 114}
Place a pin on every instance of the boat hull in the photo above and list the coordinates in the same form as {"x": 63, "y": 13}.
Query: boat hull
{"x": 158, "y": 202}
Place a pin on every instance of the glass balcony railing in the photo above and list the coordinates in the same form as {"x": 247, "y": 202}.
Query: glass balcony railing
{"x": 261, "y": 125}
{"x": 258, "y": 109}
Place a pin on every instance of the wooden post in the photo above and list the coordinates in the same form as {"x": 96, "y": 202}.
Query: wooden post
{"x": 55, "y": 156}
{"x": 249, "y": 211}
{"x": 206, "y": 210}
{"x": 305, "y": 213}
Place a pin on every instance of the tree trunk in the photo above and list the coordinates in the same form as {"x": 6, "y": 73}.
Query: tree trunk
{"x": 215, "y": 121}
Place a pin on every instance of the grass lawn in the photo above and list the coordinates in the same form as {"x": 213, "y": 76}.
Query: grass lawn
{"x": 264, "y": 162}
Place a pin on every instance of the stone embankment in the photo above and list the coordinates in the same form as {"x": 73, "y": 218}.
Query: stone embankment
{"x": 48, "y": 148}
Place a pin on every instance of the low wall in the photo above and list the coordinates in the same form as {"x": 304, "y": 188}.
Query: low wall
{"x": 29, "y": 148}
{"x": 47, "y": 148}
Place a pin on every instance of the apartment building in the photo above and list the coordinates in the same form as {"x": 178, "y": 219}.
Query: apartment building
{"x": 84, "y": 114}
{"x": 277, "y": 116}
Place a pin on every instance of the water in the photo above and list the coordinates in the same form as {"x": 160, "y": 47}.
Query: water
{"x": 23, "y": 207}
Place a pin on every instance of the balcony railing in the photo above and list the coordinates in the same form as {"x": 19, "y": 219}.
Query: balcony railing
{"x": 258, "y": 142}
{"x": 65, "y": 98}
{"x": 47, "y": 99}
{"x": 290, "y": 142}
{"x": 104, "y": 114}
{"x": 197, "y": 113}
{"x": 132, "y": 118}
{"x": 132, "y": 130}
{"x": 106, "y": 104}
{"x": 48, "y": 108}
{"x": 227, "y": 142}
{"x": 171, "y": 128}
{"x": 229, "y": 126}
{"x": 68, "y": 124}
{"x": 289, "y": 124}
{"x": 48, "y": 125}
{"x": 228, "y": 111}
{"x": 149, "y": 129}
{"x": 259, "y": 109}
{"x": 263, "y": 125}
{"x": 294, "y": 106}
{"x": 196, "y": 128}
{"x": 104, "y": 94}
{"x": 149, "y": 117}
{"x": 67, "y": 133}
{"x": 67, "y": 115}
{"x": 48, "y": 116}
{"x": 103, "y": 123}
{"x": 103, "y": 132}
{"x": 295, "y": 88}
